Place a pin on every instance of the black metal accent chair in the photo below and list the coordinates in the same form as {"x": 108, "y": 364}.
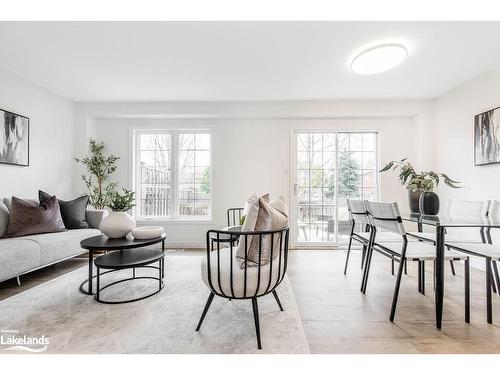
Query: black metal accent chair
{"x": 240, "y": 279}
{"x": 386, "y": 216}
{"x": 234, "y": 216}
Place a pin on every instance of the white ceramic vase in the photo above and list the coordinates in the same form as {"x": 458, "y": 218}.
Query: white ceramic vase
{"x": 117, "y": 224}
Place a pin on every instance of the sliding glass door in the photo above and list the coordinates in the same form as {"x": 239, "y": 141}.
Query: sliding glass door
{"x": 329, "y": 168}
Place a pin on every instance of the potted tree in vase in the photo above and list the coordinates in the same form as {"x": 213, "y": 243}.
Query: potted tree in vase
{"x": 99, "y": 167}
{"x": 421, "y": 186}
{"x": 119, "y": 223}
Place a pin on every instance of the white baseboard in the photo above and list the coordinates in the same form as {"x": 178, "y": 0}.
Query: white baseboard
{"x": 192, "y": 245}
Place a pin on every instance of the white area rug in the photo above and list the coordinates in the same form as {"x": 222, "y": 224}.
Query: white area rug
{"x": 164, "y": 323}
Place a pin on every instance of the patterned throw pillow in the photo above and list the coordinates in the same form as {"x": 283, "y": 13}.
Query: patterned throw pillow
{"x": 30, "y": 218}
{"x": 262, "y": 216}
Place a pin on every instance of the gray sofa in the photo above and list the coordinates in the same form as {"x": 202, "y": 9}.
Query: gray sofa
{"x": 21, "y": 255}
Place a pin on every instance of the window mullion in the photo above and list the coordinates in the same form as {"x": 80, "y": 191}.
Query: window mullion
{"x": 174, "y": 204}
{"x": 138, "y": 173}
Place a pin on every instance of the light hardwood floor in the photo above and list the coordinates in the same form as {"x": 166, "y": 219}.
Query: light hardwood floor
{"x": 337, "y": 318}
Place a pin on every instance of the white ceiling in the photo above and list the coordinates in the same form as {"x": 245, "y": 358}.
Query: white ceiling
{"x": 147, "y": 61}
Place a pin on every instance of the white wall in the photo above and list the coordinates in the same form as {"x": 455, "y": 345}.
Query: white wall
{"x": 454, "y": 137}
{"x": 51, "y": 140}
{"x": 254, "y": 139}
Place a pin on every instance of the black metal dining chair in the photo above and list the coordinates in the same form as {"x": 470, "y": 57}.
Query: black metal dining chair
{"x": 359, "y": 220}
{"x": 458, "y": 210}
{"x": 360, "y": 231}
{"x": 240, "y": 278}
{"x": 386, "y": 216}
{"x": 491, "y": 255}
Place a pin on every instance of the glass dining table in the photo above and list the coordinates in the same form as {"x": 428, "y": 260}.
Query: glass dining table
{"x": 440, "y": 223}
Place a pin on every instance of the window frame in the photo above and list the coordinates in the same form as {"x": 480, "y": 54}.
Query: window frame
{"x": 174, "y": 203}
{"x": 339, "y": 127}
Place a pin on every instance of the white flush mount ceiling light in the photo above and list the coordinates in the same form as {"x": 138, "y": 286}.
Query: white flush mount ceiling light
{"x": 379, "y": 59}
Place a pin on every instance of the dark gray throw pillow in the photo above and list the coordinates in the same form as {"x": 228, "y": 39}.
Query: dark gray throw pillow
{"x": 72, "y": 212}
{"x": 31, "y": 218}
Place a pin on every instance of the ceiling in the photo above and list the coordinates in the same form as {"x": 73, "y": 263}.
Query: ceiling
{"x": 162, "y": 61}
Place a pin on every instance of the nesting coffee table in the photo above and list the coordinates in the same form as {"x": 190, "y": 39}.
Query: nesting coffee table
{"x": 128, "y": 253}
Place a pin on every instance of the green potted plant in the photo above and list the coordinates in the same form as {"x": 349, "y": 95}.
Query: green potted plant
{"x": 119, "y": 223}
{"x": 420, "y": 185}
{"x": 99, "y": 167}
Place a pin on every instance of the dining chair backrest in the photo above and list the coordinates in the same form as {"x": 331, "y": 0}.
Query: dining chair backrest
{"x": 357, "y": 211}
{"x": 494, "y": 211}
{"x": 493, "y": 236}
{"x": 386, "y": 216}
{"x": 458, "y": 209}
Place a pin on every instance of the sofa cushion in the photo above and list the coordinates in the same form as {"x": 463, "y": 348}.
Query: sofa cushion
{"x": 94, "y": 217}
{"x": 4, "y": 219}
{"x": 58, "y": 246}
{"x": 18, "y": 255}
{"x": 72, "y": 212}
{"x": 32, "y": 218}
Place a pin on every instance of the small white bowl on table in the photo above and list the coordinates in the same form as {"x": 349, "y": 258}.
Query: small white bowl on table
{"x": 147, "y": 232}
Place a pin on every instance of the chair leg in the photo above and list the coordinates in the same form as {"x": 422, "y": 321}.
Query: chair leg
{"x": 368, "y": 264}
{"x": 348, "y": 253}
{"x": 368, "y": 261}
{"x": 396, "y": 289}
{"x": 256, "y": 320}
{"x": 392, "y": 266}
{"x": 497, "y": 277}
{"x": 419, "y": 281}
{"x": 467, "y": 289}
{"x": 421, "y": 277}
{"x": 205, "y": 310}
{"x": 434, "y": 276}
{"x": 277, "y": 300}
{"x": 406, "y": 267}
{"x": 363, "y": 256}
{"x": 18, "y": 281}
{"x": 489, "y": 314}
{"x": 493, "y": 286}
{"x": 452, "y": 266}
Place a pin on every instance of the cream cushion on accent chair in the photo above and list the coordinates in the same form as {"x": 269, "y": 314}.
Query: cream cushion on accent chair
{"x": 238, "y": 275}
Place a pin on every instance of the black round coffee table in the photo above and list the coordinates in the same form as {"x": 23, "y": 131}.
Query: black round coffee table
{"x": 96, "y": 243}
{"x": 130, "y": 259}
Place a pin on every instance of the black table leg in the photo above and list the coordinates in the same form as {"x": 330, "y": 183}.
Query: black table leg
{"x": 163, "y": 260}
{"x": 439, "y": 269}
{"x": 98, "y": 282}
{"x": 91, "y": 271}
